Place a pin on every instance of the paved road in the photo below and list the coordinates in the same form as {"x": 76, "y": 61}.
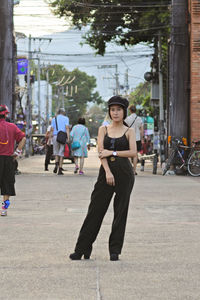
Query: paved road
{"x": 160, "y": 258}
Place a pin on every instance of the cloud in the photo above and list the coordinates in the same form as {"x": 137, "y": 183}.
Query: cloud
{"x": 36, "y": 18}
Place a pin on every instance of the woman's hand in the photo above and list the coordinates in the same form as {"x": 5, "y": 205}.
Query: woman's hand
{"x": 110, "y": 178}
{"x": 105, "y": 153}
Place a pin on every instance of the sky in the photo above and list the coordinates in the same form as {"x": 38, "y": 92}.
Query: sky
{"x": 34, "y": 17}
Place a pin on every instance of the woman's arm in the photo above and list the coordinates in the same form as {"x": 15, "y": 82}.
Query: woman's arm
{"x": 109, "y": 176}
{"x": 71, "y": 134}
{"x": 68, "y": 133}
{"x": 132, "y": 152}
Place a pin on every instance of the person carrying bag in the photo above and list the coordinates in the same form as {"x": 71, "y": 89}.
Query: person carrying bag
{"x": 81, "y": 138}
{"x": 60, "y": 132}
{"x": 76, "y": 144}
{"x": 61, "y": 135}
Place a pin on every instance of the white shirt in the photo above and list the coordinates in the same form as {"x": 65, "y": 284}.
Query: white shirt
{"x": 136, "y": 125}
{"x": 50, "y": 140}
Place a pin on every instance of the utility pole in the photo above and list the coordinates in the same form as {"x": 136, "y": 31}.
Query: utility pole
{"x": 39, "y": 39}
{"x": 179, "y": 71}
{"x": 28, "y": 103}
{"x": 39, "y": 100}
{"x": 117, "y": 79}
{"x": 161, "y": 106}
{"x": 6, "y": 52}
{"x": 126, "y": 83}
{"x": 61, "y": 89}
{"x": 117, "y": 89}
{"x": 47, "y": 98}
{"x": 63, "y": 96}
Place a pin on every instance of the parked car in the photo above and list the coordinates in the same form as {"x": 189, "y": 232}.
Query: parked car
{"x": 93, "y": 142}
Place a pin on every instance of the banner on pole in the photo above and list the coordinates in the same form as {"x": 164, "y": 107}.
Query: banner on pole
{"x": 22, "y": 66}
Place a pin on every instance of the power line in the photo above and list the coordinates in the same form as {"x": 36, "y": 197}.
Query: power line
{"x": 80, "y": 4}
{"x": 128, "y": 11}
{"x": 130, "y": 31}
{"x": 86, "y": 54}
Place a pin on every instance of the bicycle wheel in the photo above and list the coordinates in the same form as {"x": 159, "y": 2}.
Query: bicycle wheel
{"x": 194, "y": 164}
{"x": 169, "y": 162}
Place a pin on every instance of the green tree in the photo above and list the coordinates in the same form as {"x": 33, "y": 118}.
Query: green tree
{"x": 124, "y": 22}
{"x": 94, "y": 118}
{"x": 141, "y": 97}
{"x": 76, "y": 95}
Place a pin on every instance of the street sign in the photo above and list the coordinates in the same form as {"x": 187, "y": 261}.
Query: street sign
{"x": 22, "y": 66}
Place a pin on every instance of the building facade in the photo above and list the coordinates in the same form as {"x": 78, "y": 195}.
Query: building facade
{"x": 194, "y": 28}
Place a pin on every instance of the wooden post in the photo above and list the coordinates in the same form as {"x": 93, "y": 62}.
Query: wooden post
{"x": 6, "y": 52}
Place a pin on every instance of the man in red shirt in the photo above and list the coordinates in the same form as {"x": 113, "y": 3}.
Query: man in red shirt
{"x": 9, "y": 135}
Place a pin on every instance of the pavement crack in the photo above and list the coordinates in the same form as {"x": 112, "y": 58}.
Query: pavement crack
{"x": 98, "y": 290}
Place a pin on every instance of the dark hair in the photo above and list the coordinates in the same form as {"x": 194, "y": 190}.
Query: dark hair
{"x": 132, "y": 108}
{"x": 81, "y": 121}
{"x": 118, "y": 100}
{"x": 124, "y": 109}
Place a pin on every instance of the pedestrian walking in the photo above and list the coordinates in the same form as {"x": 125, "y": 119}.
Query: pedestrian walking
{"x": 9, "y": 135}
{"x": 136, "y": 123}
{"x": 116, "y": 143}
{"x": 59, "y": 124}
{"x": 49, "y": 148}
{"x": 81, "y": 138}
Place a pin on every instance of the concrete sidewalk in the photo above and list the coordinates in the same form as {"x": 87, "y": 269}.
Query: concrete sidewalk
{"x": 160, "y": 259}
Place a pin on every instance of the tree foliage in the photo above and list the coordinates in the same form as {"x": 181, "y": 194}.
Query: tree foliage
{"x": 141, "y": 97}
{"x": 124, "y": 22}
{"x": 74, "y": 96}
{"x": 95, "y": 117}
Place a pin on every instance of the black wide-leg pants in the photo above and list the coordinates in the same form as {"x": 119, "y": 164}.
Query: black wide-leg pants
{"x": 7, "y": 175}
{"x": 49, "y": 153}
{"x": 100, "y": 199}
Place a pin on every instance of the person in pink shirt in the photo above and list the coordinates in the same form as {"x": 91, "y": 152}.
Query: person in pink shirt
{"x": 10, "y": 134}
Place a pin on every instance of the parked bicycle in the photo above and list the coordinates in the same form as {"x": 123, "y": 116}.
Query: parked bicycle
{"x": 189, "y": 162}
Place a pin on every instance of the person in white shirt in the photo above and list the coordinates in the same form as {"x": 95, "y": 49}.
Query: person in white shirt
{"x": 135, "y": 122}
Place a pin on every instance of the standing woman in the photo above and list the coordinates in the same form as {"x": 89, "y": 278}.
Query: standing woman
{"x": 116, "y": 143}
{"x": 80, "y": 134}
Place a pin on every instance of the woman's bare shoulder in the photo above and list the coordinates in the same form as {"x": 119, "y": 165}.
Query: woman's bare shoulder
{"x": 131, "y": 131}
{"x": 102, "y": 128}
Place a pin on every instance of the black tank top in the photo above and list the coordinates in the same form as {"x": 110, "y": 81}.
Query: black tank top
{"x": 116, "y": 144}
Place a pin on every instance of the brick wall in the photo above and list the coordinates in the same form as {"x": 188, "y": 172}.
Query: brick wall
{"x": 194, "y": 7}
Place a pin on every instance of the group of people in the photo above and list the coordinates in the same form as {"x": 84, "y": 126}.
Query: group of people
{"x": 79, "y": 133}
{"x": 117, "y": 143}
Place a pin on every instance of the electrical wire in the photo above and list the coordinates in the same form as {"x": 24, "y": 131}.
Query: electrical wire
{"x": 88, "y": 54}
{"x": 155, "y": 4}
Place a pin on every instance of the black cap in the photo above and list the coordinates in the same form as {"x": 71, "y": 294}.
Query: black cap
{"x": 118, "y": 100}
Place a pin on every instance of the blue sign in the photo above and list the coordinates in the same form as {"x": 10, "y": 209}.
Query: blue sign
{"x": 22, "y": 66}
